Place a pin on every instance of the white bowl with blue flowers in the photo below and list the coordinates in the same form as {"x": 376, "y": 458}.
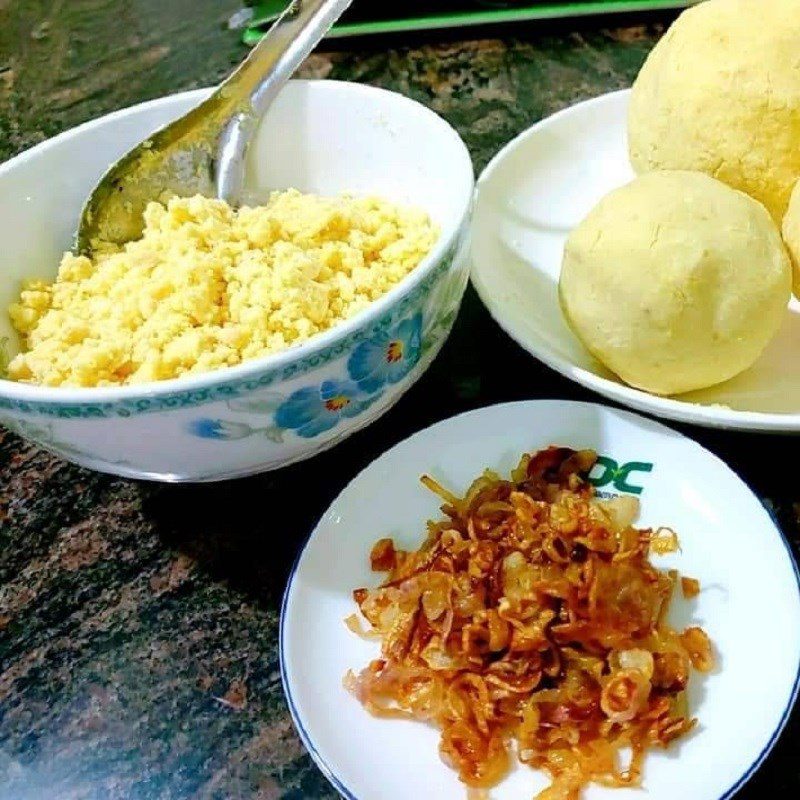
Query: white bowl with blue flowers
{"x": 320, "y": 136}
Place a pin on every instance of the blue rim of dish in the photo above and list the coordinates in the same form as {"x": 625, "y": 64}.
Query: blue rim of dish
{"x": 328, "y": 772}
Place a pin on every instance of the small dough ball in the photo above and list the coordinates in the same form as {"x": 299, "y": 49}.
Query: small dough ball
{"x": 720, "y": 93}
{"x": 675, "y": 281}
{"x": 791, "y": 234}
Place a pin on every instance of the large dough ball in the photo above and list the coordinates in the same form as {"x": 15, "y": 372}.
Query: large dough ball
{"x": 720, "y": 93}
{"x": 675, "y": 281}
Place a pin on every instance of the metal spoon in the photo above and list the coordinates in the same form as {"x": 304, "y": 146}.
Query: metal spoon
{"x": 204, "y": 151}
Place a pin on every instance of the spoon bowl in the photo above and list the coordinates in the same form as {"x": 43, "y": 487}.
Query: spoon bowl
{"x": 204, "y": 151}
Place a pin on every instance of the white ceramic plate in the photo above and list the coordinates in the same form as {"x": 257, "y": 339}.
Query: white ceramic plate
{"x": 528, "y": 200}
{"x": 750, "y": 603}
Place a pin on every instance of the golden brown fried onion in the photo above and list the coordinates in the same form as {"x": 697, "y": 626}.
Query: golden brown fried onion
{"x": 532, "y": 620}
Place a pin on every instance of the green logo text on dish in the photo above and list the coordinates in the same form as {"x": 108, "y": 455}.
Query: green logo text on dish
{"x": 622, "y": 477}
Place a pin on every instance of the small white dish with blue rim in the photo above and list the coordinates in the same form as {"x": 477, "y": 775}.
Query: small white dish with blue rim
{"x": 325, "y": 137}
{"x": 749, "y": 603}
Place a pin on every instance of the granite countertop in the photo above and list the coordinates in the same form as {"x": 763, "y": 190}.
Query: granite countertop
{"x": 138, "y": 622}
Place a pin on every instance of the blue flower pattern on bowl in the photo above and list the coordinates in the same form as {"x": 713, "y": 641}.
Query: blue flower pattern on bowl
{"x": 315, "y": 409}
{"x": 387, "y": 357}
{"x": 384, "y": 359}
{"x": 224, "y": 430}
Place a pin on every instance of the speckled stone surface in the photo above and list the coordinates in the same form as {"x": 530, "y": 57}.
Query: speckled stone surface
{"x": 138, "y": 623}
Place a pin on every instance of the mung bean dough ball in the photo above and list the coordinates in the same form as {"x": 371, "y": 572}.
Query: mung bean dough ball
{"x": 720, "y": 93}
{"x": 675, "y": 281}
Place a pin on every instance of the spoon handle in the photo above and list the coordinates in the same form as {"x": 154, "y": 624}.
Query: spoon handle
{"x": 256, "y": 83}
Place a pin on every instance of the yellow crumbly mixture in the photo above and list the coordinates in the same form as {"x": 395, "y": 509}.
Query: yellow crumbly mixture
{"x": 207, "y": 287}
